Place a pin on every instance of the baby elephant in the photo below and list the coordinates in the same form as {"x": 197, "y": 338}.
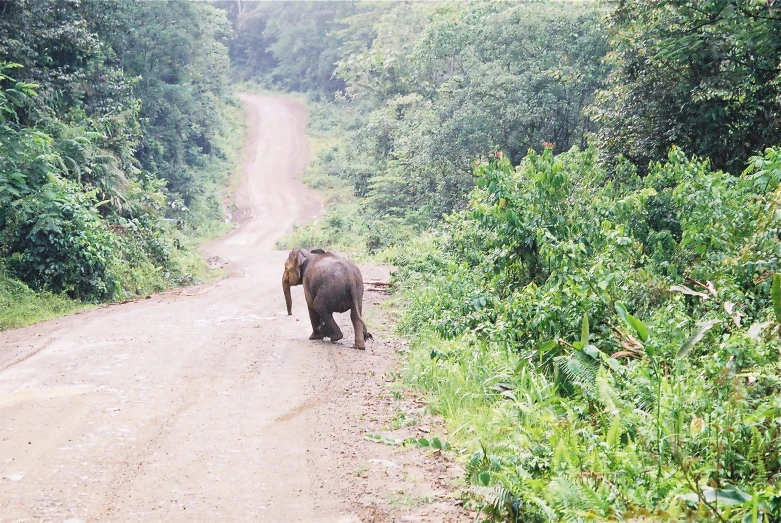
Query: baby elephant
{"x": 331, "y": 284}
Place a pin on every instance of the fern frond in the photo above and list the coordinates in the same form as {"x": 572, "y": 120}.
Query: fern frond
{"x": 613, "y": 436}
{"x": 567, "y": 496}
{"x": 479, "y": 463}
{"x": 580, "y": 370}
{"x": 756, "y": 453}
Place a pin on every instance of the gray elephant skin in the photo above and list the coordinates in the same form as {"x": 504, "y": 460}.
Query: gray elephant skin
{"x": 331, "y": 284}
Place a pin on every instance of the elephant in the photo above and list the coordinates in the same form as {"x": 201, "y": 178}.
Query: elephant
{"x": 331, "y": 284}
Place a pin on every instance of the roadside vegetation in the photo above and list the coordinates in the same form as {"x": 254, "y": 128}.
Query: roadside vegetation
{"x": 114, "y": 146}
{"x": 582, "y": 203}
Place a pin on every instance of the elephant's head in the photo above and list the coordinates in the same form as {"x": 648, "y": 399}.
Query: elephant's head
{"x": 293, "y": 275}
{"x": 296, "y": 262}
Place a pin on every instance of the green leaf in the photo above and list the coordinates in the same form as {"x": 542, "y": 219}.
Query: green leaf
{"x": 689, "y": 344}
{"x": 775, "y": 294}
{"x": 756, "y": 329}
{"x": 436, "y": 443}
{"x": 613, "y": 364}
{"x": 639, "y": 327}
{"x": 728, "y": 496}
{"x": 484, "y": 478}
{"x": 584, "y": 330}
{"x": 437, "y": 355}
{"x": 621, "y": 310}
{"x": 592, "y": 351}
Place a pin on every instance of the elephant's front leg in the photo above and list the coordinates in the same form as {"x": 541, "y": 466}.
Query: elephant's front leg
{"x": 317, "y": 325}
{"x": 330, "y": 328}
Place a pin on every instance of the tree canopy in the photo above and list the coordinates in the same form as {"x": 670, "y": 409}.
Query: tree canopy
{"x": 703, "y": 75}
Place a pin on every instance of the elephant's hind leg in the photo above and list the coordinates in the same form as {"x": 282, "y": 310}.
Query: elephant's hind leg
{"x": 329, "y": 328}
{"x": 361, "y": 334}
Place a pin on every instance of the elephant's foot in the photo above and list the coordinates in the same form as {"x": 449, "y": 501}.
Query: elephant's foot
{"x": 316, "y": 336}
{"x": 360, "y": 344}
{"x": 336, "y": 336}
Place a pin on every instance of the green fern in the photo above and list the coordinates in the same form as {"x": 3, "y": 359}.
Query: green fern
{"x": 479, "y": 467}
{"x": 567, "y": 498}
{"x": 580, "y": 370}
{"x": 613, "y": 436}
{"x": 599, "y": 496}
{"x": 497, "y": 502}
{"x": 577, "y": 500}
{"x": 605, "y": 392}
{"x": 756, "y": 453}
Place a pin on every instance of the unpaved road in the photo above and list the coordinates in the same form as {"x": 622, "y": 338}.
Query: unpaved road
{"x": 209, "y": 403}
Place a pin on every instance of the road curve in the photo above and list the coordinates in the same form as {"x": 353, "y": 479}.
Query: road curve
{"x": 183, "y": 406}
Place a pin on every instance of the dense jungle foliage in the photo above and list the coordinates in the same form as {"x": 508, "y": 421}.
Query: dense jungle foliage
{"x": 112, "y": 145}
{"x": 582, "y": 200}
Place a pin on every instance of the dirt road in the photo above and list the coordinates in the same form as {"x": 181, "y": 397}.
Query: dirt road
{"x": 209, "y": 403}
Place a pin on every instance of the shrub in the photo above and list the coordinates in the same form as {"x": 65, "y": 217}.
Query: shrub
{"x": 612, "y": 340}
{"x": 55, "y": 239}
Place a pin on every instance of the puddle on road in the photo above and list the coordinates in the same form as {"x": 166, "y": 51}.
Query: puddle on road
{"x": 42, "y": 394}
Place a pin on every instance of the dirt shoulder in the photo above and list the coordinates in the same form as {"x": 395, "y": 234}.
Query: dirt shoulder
{"x": 367, "y": 418}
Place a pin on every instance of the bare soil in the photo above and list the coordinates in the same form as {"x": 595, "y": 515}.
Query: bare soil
{"x": 209, "y": 403}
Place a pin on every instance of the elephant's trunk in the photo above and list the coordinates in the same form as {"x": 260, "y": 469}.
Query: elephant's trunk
{"x": 288, "y": 298}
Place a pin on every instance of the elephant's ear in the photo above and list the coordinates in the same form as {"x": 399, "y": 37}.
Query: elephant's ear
{"x": 301, "y": 258}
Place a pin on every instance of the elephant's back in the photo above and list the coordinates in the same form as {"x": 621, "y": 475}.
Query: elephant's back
{"x": 339, "y": 278}
{"x": 330, "y": 263}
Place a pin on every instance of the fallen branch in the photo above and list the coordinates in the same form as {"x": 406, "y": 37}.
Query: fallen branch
{"x": 378, "y": 283}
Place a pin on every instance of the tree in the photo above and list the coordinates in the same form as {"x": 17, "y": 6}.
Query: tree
{"x": 460, "y": 82}
{"x": 294, "y": 45}
{"x": 703, "y": 75}
{"x": 177, "y": 53}
{"x": 99, "y": 100}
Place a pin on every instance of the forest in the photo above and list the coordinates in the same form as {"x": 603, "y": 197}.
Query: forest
{"x": 582, "y": 201}
{"x": 113, "y": 142}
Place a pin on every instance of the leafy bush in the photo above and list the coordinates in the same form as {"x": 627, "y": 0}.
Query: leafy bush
{"x": 666, "y": 404}
{"x": 55, "y": 239}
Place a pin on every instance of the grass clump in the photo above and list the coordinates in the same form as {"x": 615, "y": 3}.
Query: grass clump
{"x": 21, "y": 306}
